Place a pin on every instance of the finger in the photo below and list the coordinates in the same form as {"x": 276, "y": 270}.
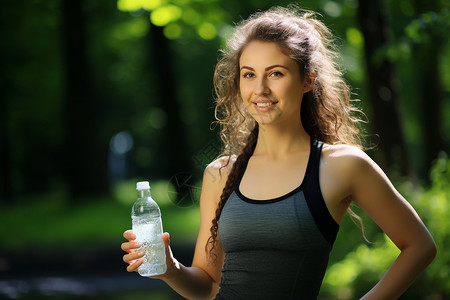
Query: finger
{"x": 129, "y": 235}
{"x": 132, "y": 257}
{"x": 130, "y": 246}
{"x": 133, "y": 267}
{"x": 166, "y": 238}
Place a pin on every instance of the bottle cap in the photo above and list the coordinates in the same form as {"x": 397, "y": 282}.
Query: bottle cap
{"x": 142, "y": 185}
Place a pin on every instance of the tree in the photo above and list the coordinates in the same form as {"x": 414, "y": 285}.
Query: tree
{"x": 429, "y": 33}
{"x": 174, "y": 137}
{"x": 383, "y": 90}
{"x": 84, "y": 153}
{"x": 5, "y": 144}
{"x": 28, "y": 77}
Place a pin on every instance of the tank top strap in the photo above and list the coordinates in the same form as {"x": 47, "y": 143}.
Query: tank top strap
{"x": 316, "y": 152}
{"x": 313, "y": 194}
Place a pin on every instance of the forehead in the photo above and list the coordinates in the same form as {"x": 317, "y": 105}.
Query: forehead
{"x": 264, "y": 53}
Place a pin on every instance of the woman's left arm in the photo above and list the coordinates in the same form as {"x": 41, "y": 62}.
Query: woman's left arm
{"x": 375, "y": 194}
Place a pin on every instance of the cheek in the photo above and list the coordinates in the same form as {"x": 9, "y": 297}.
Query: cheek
{"x": 294, "y": 91}
{"x": 245, "y": 90}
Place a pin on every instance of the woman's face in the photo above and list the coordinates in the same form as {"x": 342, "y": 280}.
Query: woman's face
{"x": 270, "y": 84}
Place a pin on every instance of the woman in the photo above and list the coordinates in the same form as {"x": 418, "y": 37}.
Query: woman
{"x": 272, "y": 203}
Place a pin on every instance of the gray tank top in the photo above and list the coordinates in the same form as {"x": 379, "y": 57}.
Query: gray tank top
{"x": 278, "y": 248}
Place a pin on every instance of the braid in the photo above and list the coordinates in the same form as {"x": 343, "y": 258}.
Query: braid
{"x": 232, "y": 179}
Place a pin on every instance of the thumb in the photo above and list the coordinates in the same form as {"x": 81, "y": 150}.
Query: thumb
{"x": 166, "y": 239}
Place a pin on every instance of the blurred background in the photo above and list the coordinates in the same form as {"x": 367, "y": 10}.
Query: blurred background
{"x": 96, "y": 95}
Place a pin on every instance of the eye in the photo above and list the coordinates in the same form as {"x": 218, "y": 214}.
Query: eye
{"x": 248, "y": 75}
{"x": 276, "y": 74}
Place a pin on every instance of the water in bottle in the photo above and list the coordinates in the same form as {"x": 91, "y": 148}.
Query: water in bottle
{"x": 147, "y": 226}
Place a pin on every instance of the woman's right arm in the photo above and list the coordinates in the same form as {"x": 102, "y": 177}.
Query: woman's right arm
{"x": 201, "y": 280}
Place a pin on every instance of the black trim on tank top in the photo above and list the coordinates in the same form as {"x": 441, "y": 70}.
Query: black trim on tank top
{"x": 314, "y": 198}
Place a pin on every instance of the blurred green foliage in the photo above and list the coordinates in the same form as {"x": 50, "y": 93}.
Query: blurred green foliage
{"x": 183, "y": 19}
{"x": 49, "y": 221}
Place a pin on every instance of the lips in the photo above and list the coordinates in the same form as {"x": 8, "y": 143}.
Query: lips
{"x": 264, "y": 105}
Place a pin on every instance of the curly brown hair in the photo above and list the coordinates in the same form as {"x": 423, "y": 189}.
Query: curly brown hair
{"x": 327, "y": 114}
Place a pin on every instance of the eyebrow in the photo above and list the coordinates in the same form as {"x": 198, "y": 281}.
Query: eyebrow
{"x": 266, "y": 69}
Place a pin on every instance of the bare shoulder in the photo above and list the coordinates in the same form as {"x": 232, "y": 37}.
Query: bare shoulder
{"x": 337, "y": 173}
{"x": 216, "y": 173}
{"x": 347, "y": 163}
{"x": 220, "y": 168}
{"x": 343, "y": 151}
{"x": 345, "y": 156}
{"x": 223, "y": 163}
{"x": 353, "y": 166}
{"x": 344, "y": 169}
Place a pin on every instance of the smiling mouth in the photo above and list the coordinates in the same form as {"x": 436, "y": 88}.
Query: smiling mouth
{"x": 264, "y": 104}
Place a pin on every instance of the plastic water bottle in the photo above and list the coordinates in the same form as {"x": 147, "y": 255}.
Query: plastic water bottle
{"x": 147, "y": 226}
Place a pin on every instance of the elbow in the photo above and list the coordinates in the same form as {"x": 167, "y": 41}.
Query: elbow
{"x": 424, "y": 250}
{"x": 431, "y": 249}
{"x": 428, "y": 249}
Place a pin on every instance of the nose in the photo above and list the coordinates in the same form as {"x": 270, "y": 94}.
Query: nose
{"x": 261, "y": 87}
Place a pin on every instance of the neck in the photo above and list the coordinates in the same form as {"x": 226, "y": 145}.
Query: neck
{"x": 276, "y": 141}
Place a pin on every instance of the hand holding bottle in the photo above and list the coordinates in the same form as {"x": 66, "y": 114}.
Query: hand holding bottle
{"x": 134, "y": 256}
{"x": 147, "y": 231}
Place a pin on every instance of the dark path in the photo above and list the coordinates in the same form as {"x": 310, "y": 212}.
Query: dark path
{"x": 86, "y": 275}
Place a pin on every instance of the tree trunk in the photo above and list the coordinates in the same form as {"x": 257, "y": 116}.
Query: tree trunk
{"x": 431, "y": 93}
{"x": 383, "y": 91}
{"x": 85, "y": 155}
{"x": 6, "y": 191}
{"x": 174, "y": 145}
{"x": 427, "y": 58}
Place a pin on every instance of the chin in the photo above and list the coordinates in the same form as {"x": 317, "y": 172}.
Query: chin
{"x": 267, "y": 118}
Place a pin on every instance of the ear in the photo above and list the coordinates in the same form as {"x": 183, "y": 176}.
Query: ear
{"x": 309, "y": 82}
